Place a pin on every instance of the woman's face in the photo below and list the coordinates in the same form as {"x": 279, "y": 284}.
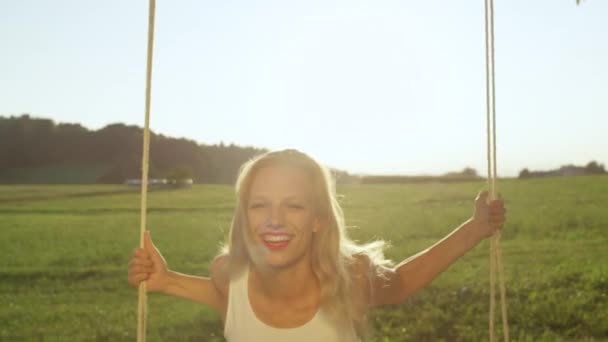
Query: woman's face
{"x": 281, "y": 216}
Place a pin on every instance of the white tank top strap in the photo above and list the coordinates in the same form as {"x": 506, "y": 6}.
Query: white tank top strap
{"x": 243, "y": 325}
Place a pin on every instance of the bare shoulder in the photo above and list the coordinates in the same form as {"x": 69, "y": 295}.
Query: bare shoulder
{"x": 361, "y": 266}
{"x": 219, "y": 273}
{"x": 371, "y": 280}
{"x": 362, "y": 273}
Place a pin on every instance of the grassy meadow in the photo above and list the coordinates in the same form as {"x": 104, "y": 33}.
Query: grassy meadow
{"x": 65, "y": 251}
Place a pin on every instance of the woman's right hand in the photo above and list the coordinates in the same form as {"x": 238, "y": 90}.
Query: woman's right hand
{"x": 149, "y": 265}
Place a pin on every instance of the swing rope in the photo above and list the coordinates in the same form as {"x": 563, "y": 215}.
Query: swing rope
{"x": 142, "y": 307}
{"x": 496, "y": 265}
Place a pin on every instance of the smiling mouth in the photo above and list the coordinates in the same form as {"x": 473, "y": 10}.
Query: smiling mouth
{"x": 275, "y": 242}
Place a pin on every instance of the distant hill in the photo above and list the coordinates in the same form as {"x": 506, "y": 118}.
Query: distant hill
{"x": 468, "y": 174}
{"x": 40, "y": 151}
{"x": 592, "y": 168}
{"x": 36, "y": 150}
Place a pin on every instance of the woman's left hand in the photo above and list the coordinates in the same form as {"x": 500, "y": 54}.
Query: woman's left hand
{"x": 489, "y": 216}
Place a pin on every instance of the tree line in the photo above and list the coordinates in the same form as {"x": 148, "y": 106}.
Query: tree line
{"x": 114, "y": 154}
{"x": 116, "y": 149}
{"x": 591, "y": 168}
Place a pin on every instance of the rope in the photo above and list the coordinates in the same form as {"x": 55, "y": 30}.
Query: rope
{"x": 142, "y": 308}
{"x": 496, "y": 265}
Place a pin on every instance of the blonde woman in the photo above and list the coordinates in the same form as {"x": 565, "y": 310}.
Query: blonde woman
{"x": 289, "y": 272}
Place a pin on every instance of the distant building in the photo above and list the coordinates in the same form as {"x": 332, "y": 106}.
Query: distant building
{"x": 181, "y": 183}
{"x": 151, "y": 182}
{"x": 161, "y": 182}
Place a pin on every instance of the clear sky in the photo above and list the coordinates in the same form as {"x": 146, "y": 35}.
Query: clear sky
{"x": 368, "y": 86}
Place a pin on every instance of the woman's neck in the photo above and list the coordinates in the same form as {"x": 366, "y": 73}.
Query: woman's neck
{"x": 295, "y": 282}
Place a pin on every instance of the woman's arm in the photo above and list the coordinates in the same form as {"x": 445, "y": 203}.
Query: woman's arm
{"x": 148, "y": 265}
{"x": 212, "y": 291}
{"x": 419, "y": 270}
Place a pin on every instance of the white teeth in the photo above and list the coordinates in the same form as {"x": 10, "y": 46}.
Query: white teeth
{"x": 277, "y": 238}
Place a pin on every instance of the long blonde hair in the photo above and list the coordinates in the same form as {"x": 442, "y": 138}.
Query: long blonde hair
{"x": 333, "y": 252}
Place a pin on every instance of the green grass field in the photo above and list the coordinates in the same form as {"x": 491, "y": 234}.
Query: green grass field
{"x": 65, "y": 251}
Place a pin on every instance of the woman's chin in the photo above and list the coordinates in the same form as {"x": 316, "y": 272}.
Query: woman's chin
{"x": 276, "y": 256}
{"x": 277, "y": 261}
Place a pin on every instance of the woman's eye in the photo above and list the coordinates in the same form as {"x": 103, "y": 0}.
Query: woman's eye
{"x": 256, "y": 206}
{"x": 295, "y": 206}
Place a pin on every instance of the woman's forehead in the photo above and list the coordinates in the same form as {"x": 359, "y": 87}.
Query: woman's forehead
{"x": 285, "y": 179}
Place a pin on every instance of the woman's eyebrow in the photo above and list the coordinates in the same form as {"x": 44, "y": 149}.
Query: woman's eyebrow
{"x": 298, "y": 198}
{"x": 264, "y": 197}
{"x": 257, "y": 198}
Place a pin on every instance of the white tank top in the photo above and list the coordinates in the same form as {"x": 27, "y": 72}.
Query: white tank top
{"x": 243, "y": 325}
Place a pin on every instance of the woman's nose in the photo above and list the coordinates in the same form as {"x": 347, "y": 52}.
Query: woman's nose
{"x": 275, "y": 218}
